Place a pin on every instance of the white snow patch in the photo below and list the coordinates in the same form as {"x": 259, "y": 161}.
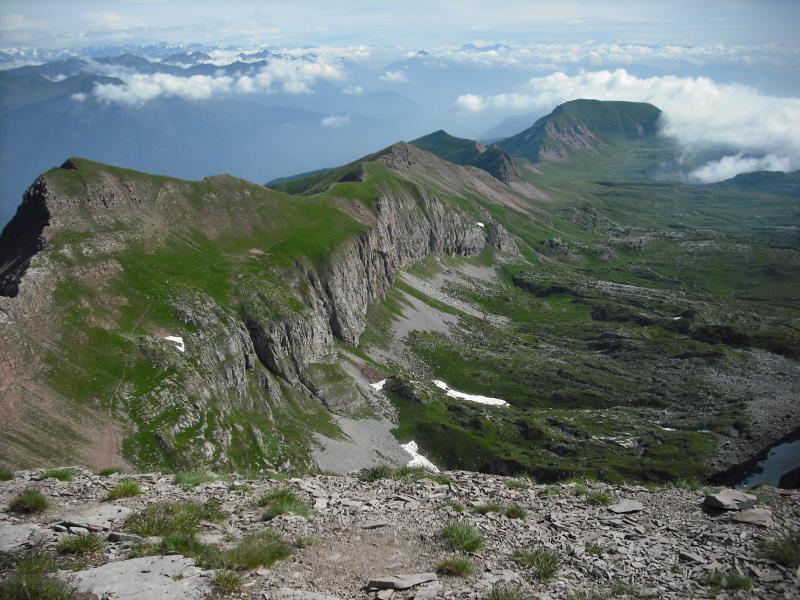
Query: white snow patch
{"x": 417, "y": 460}
{"x": 471, "y": 397}
{"x": 178, "y": 341}
{"x": 667, "y": 429}
{"x": 479, "y": 224}
{"x": 378, "y": 385}
{"x": 676, "y": 318}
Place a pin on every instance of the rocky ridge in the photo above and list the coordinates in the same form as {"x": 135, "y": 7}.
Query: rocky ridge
{"x": 383, "y": 539}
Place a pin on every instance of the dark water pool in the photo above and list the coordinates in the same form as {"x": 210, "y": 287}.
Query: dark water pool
{"x": 779, "y": 467}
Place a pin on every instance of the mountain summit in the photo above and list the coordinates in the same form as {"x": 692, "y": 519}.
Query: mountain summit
{"x": 582, "y": 125}
{"x": 468, "y": 152}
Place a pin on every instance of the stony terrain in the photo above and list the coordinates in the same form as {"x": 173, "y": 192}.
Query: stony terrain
{"x": 623, "y": 541}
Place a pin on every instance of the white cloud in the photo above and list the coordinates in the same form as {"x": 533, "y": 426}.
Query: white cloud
{"x": 336, "y": 121}
{"x": 353, "y": 90}
{"x": 699, "y": 113}
{"x": 79, "y": 97}
{"x": 394, "y": 77}
{"x": 729, "y": 166}
{"x": 288, "y": 75}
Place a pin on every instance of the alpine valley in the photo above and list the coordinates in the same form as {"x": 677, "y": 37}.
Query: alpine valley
{"x": 551, "y": 304}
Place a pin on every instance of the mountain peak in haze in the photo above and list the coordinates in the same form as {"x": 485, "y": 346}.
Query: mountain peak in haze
{"x": 581, "y": 125}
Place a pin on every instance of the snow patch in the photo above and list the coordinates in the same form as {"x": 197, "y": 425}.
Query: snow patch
{"x": 479, "y": 224}
{"x": 471, "y": 397}
{"x": 378, "y": 385}
{"x": 178, "y": 341}
{"x": 417, "y": 460}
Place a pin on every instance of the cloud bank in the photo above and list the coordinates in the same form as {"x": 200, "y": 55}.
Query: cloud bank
{"x": 336, "y": 121}
{"x": 754, "y": 130}
{"x": 289, "y": 76}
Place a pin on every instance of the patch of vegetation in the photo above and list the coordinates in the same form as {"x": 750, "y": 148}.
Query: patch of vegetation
{"x": 60, "y": 474}
{"x": 376, "y": 473}
{"x": 455, "y": 505}
{"x": 28, "y": 501}
{"x": 509, "y": 591}
{"x": 306, "y": 540}
{"x": 462, "y": 536}
{"x": 784, "y": 550}
{"x": 83, "y": 544}
{"x": 283, "y": 502}
{"x": 171, "y": 518}
{"x": 30, "y": 580}
{"x": 544, "y": 562}
{"x": 109, "y": 471}
{"x": 598, "y": 498}
{"x": 730, "y": 581}
{"x": 454, "y": 566}
{"x": 6, "y": 474}
{"x": 255, "y": 550}
{"x": 517, "y": 484}
{"x": 227, "y": 581}
{"x": 486, "y": 508}
{"x": 195, "y": 478}
{"x": 595, "y": 549}
{"x": 386, "y": 471}
{"x": 124, "y": 489}
{"x": 515, "y": 512}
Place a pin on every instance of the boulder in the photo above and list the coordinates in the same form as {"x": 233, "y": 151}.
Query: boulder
{"x": 728, "y": 499}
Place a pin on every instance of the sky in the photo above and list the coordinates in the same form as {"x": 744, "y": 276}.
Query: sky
{"x": 726, "y": 73}
{"x": 413, "y": 24}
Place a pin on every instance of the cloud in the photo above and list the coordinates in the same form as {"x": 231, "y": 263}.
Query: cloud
{"x": 700, "y": 114}
{"x": 394, "y": 77}
{"x": 79, "y": 97}
{"x": 288, "y": 75}
{"x": 353, "y": 90}
{"x": 336, "y": 121}
{"x": 730, "y": 166}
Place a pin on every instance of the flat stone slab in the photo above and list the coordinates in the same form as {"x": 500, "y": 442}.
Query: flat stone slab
{"x": 292, "y": 594}
{"x": 401, "y": 582}
{"x": 96, "y": 518}
{"x": 728, "y": 499}
{"x": 626, "y": 506}
{"x": 375, "y": 524}
{"x": 14, "y": 537}
{"x": 146, "y": 578}
{"x": 754, "y": 516}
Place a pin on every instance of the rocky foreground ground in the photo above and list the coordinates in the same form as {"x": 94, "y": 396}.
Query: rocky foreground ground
{"x": 383, "y": 539}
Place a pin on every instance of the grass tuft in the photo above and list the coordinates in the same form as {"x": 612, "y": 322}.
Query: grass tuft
{"x": 283, "y": 502}
{"x": 376, "y": 473}
{"x": 462, "y": 536}
{"x": 730, "y": 581}
{"x": 517, "y": 484}
{"x": 515, "y": 512}
{"x": 255, "y": 550}
{"x": 28, "y": 501}
{"x": 508, "y": 591}
{"x": 228, "y": 581}
{"x": 544, "y": 562}
{"x": 30, "y": 580}
{"x": 60, "y": 474}
{"x": 455, "y": 505}
{"x": 168, "y": 518}
{"x": 6, "y": 474}
{"x": 195, "y": 478}
{"x": 108, "y": 471}
{"x": 454, "y": 566}
{"x": 83, "y": 545}
{"x": 486, "y": 508}
{"x": 124, "y": 489}
{"x": 598, "y": 498}
{"x": 784, "y": 550}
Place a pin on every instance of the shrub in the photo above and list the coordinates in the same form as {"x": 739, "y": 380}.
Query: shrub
{"x": 124, "y": 489}
{"x": 194, "y": 478}
{"x": 6, "y": 474}
{"x": 454, "y": 566}
{"x": 729, "y": 581}
{"x": 784, "y": 550}
{"x": 30, "y": 580}
{"x": 228, "y": 581}
{"x": 60, "y": 474}
{"x": 108, "y": 471}
{"x": 28, "y": 501}
{"x": 83, "y": 544}
{"x": 515, "y": 512}
{"x": 462, "y": 536}
{"x": 544, "y": 562}
{"x": 283, "y": 502}
{"x": 508, "y": 591}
